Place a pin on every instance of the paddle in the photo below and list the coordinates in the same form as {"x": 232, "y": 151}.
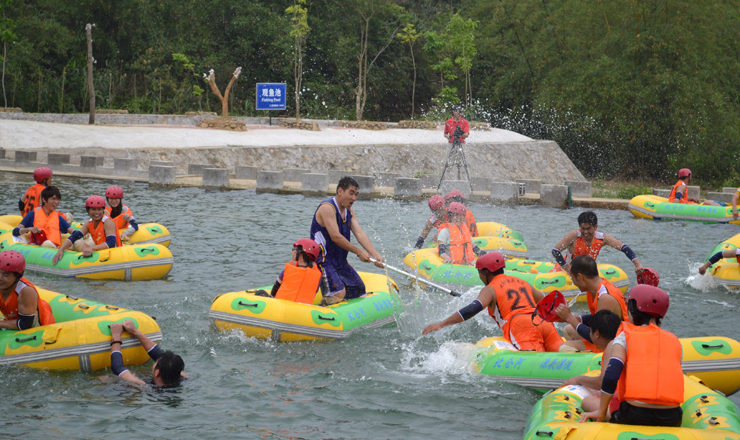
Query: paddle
{"x": 421, "y": 280}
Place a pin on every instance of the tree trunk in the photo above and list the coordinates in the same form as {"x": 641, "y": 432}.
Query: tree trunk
{"x": 364, "y": 30}
{"x": 413, "y": 88}
{"x": 298, "y": 76}
{"x": 5, "y": 51}
{"x": 90, "y": 85}
{"x": 61, "y": 101}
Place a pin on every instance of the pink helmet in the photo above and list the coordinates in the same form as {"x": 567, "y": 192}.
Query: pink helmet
{"x": 454, "y": 193}
{"x": 12, "y": 261}
{"x": 492, "y": 261}
{"x": 684, "y": 172}
{"x": 436, "y": 202}
{"x": 457, "y": 208}
{"x": 309, "y": 246}
{"x": 41, "y": 174}
{"x": 95, "y": 202}
{"x": 650, "y": 299}
{"x": 114, "y": 192}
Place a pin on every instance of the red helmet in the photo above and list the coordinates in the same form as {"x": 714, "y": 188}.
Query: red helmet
{"x": 649, "y": 276}
{"x": 455, "y": 193}
{"x": 492, "y": 261}
{"x": 95, "y": 202}
{"x": 547, "y": 305}
{"x": 41, "y": 174}
{"x": 457, "y": 208}
{"x": 114, "y": 192}
{"x": 650, "y": 299}
{"x": 309, "y": 246}
{"x": 684, "y": 172}
{"x": 12, "y": 261}
{"x": 436, "y": 202}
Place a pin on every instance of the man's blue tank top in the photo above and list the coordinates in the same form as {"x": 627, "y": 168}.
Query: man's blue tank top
{"x": 330, "y": 251}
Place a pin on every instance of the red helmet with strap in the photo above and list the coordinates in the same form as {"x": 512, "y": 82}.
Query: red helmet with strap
{"x": 492, "y": 261}
{"x": 684, "y": 172}
{"x": 114, "y": 192}
{"x": 95, "y": 202}
{"x": 547, "y": 305}
{"x": 457, "y": 208}
{"x": 436, "y": 202}
{"x": 308, "y": 246}
{"x": 454, "y": 193}
{"x": 41, "y": 174}
{"x": 12, "y": 261}
{"x": 650, "y": 299}
{"x": 649, "y": 276}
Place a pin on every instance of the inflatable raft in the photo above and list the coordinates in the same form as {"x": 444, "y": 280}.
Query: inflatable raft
{"x": 715, "y": 360}
{"x": 80, "y": 338}
{"x": 127, "y": 263}
{"x": 727, "y": 270}
{"x": 537, "y": 273}
{"x": 146, "y": 234}
{"x": 659, "y": 208}
{"x": 507, "y": 246}
{"x": 288, "y": 321}
{"x": 706, "y": 415}
{"x": 493, "y": 229}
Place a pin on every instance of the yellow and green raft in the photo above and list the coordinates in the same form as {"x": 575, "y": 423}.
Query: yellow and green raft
{"x": 727, "y": 270}
{"x": 80, "y": 338}
{"x": 659, "y": 208}
{"x": 494, "y": 236}
{"x": 537, "y": 273}
{"x": 287, "y": 321}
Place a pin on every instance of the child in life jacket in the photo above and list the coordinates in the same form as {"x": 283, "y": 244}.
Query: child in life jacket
{"x": 120, "y": 213}
{"x": 680, "y": 191}
{"x": 644, "y": 370}
{"x": 20, "y": 303}
{"x": 301, "y": 278}
{"x": 44, "y": 223}
{"x": 455, "y": 241}
{"x": 459, "y": 197}
{"x": 101, "y": 228}
{"x": 439, "y": 216}
{"x": 32, "y": 198}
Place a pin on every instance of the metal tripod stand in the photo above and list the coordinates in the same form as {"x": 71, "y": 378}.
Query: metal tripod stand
{"x": 456, "y": 158}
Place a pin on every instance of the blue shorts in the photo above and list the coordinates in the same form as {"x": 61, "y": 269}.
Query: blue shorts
{"x": 343, "y": 277}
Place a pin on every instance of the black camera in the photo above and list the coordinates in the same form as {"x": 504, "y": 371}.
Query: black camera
{"x": 457, "y": 134}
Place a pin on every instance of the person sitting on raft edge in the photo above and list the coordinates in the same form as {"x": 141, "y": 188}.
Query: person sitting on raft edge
{"x": 511, "y": 303}
{"x": 638, "y": 356}
{"x": 168, "y": 367}
{"x": 120, "y": 213}
{"x": 300, "y": 280}
{"x": 332, "y": 223}
{"x": 680, "y": 191}
{"x": 21, "y": 304}
{"x": 588, "y": 241}
{"x": 439, "y": 216}
{"x": 101, "y": 228}
{"x": 44, "y": 223}
{"x": 32, "y": 197}
{"x": 455, "y": 242}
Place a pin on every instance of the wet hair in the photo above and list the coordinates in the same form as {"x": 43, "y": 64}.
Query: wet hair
{"x": 588, "y": 217}
{"x": 49, "y": 192}
{"x": 170, "y": 366}
{"x": 584, "y": 265}
{"x": 345, "y": 182}
{"x": 306, "y": 258}
{"x": 640, "y": 317}
{"x": 606, "y": 323}
{"x": 115, "y": 212}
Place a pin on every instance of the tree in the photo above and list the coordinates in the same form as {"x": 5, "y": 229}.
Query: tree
{"x": 90, "y": 85}
{"x": 461, "y": 34}
{"x": 299, "y": 30}
{"x": 6, "y": 36}
{"x": 211, "y": 77}
{"x": 409, "y": 35}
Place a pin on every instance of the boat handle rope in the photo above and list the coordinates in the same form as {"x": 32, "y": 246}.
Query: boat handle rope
{"x": 704, "y": 399}
{"x": 147, "y": 250}
{"x": 83, "y": 306}
{"x": 611, "y": 271}
{"x": 30, "y": 338}
{"x": 248, "y": 305}
{"x": 73, "y": 298}
{"x": 547, "y": 433}
{"x": 649, "y": 205}
{"x": 531, "y": 263}
{"x": 111, "y": 307}
{"x": 327, "y": 319}
{"x": 547, "y": 283}
{"x": 568, "y": 415}
{"x": 712, "y": 346}
{"x": 713, "y": 421}
{"x": 698, "y": 413}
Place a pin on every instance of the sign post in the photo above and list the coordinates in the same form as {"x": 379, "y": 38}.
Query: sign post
{"x": 271, "y": 96}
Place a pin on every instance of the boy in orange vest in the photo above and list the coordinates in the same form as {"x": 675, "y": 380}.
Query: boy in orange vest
{"x": 301, "y": 278}
{"x": 459, "y": 197}
{"x": 32, "y": 198}
{"x": 455, "y": 241}
{"x": 20, "y": 303}
{"x": 44, "y": 223}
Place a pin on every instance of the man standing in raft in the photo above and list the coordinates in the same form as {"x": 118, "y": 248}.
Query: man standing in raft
{"x": 511, "y": 303}
{"x": 588, "y": 241}
{"x": 21, "y": 305}
{"x": 330, "y": 228}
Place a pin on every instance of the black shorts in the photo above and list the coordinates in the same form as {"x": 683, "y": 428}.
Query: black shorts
{"x": 634, "y": 415}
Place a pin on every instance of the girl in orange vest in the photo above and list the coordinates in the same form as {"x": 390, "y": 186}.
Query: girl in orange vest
{"x": 20, "y": 303}
{"x": 101, "y": 228}
{"x": 32, "y": 198}
{"x": 120, "y": 213}
{"x": 44, "y": 223}
{"x": 644, "y": 366}
{"x": 680, "y": 191}
{"x": 455, "y": 242}
{"x": 300, "y": 279}
{"x": 459, "y": 197}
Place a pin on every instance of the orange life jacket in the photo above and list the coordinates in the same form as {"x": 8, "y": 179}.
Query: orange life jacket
{"x": 513, "y": 297}
{"x": 98, "y": 233}
{"x": 652, "y": 372}
{"x": 461, "y": 243}
{"x": 120, "y": 221}
{"x": 9, "y": 307}
{"x": 32, "y": 198}
{"x": 299, "y": 284}
{"x": 581, "y": 248}
{"x": 49, "y": 224}
{"x": 611, "y": 289}
{"x": 684, "y": 196}
{"x": 470, "y": 220}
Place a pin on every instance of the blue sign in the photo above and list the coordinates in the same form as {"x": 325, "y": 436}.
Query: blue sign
{"x": 271, "y": 96}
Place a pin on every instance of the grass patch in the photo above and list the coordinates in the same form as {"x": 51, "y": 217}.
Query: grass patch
{"x": 619, "y": 190}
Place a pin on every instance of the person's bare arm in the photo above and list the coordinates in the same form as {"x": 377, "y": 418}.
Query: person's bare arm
{"x": 116, "y": 331}
{"x": 27, "y": 305}
{"x": 327, "y": 219}
{"x": 487, "y": 298}
{"x": 364, "y": 241}
{"x": 616, "y": 244}
{"x": 734, "y": 204}
{"x": 729, "y": 253}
